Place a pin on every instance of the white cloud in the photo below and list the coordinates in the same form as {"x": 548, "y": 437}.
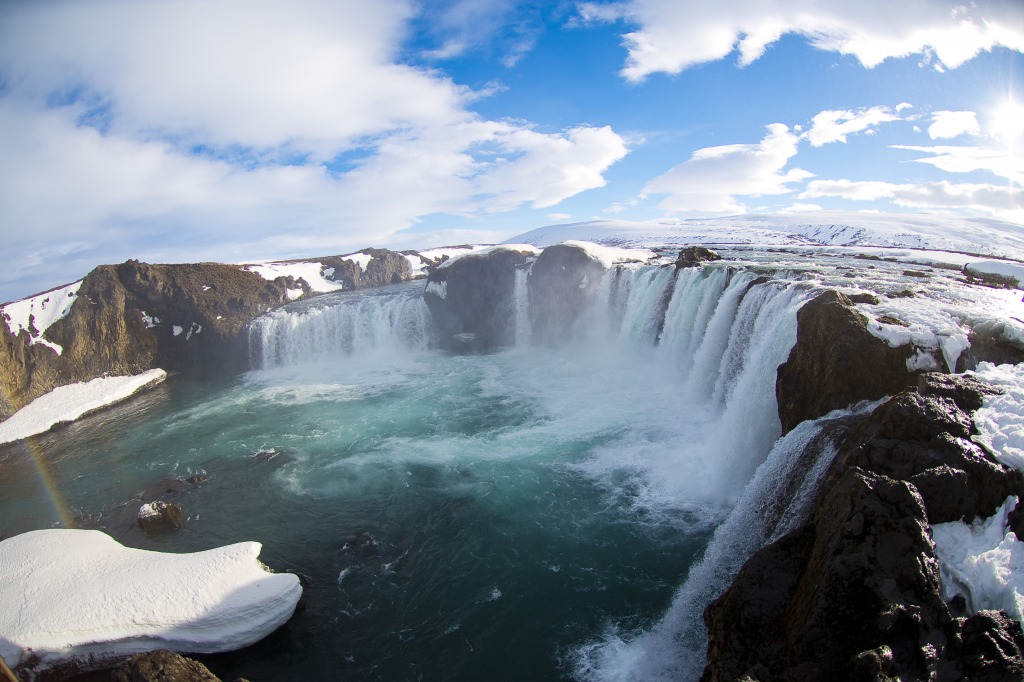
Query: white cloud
{"x": 234, "y": 130}
{"x": 712, "y": 179}
{"x": 673, "y": 36}
{"x": 966, "y": 159}
{"x": 949, "y": 124}
{"x": 1001, "y": 201}
{"x": 834, "y": 126}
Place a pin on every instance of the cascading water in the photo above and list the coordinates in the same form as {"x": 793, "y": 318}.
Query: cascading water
{"x": 478, "y": 516}
{"x": 397, "y": 321}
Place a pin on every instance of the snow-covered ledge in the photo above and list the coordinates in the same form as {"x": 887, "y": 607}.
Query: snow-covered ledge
{"x": 79, "y": 595}
{"x": 73, "y": 401}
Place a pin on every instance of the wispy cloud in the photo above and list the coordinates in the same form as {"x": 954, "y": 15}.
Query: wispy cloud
{"x": 714, "y": 177}
{"x": 835, "y": 126}
{"x": 949, "y": 124}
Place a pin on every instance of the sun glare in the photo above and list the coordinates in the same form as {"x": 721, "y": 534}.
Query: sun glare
{"x": 1008, "y": 121}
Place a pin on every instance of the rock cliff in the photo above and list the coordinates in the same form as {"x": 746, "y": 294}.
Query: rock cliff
{"x": 472, "y": 299}
{"x": 854, "y": 593}
{"x": 135, "y": 316}
{"x": 836, "y": 362}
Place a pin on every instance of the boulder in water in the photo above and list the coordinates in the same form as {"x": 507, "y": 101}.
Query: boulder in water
{"x": 160, "y": 517}
{"x": 693, "y": 256}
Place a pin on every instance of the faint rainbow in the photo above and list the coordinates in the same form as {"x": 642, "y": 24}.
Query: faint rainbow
{"x": 49, "y": 482}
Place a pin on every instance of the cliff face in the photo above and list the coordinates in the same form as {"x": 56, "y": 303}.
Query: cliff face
{"x": 132, "y": 317}
{"x": 854, "y": 593}
{"x": 836, "y": 362}
{"x": 472, "y": 300}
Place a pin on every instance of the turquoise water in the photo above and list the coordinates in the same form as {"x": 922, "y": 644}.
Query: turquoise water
{"x": 452, "y": 517}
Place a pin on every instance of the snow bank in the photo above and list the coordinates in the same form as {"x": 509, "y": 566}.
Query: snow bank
{"x": 36, "y": 313}
{"x": 1000, "y": 420}
{"x": 487, "y": 250}
{"x": 983, "y": 561}
{"x": 68, "y": 403}
{"x": 610, "y": 255}
{"x": 311, "y": 272}
{"x": 997, "y": 267}
{"x": 78, "y": 593}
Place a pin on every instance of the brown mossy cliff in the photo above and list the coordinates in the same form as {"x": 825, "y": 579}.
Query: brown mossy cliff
{"x": 135, "y": 316}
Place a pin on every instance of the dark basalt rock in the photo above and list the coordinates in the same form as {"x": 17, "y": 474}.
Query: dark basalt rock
{"x": 385, "y": 267}
{"x": 562, "y": 281}
{"x": 472, "y": 300}
{"x": 160, "y": 517}
{"x": 836, "y": 362}
{"x": 693, "y": 256}
{"x": 992, "y": 648}
{"x": 854, "y": 593}
{"x": 990, "y": 342}
{"x": 162, "y": 666}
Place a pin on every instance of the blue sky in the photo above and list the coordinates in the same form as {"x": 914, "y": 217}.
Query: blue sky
{"x": 228, "y": 130}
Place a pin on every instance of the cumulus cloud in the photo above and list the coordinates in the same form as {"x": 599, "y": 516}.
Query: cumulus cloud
{"x": 1001, "y": 201}
{"x": 673, "y": 36}
{"x": 251, "y": 129}
{"x": 835, "y": 126}
{"x": 712, "y": 179}
{"x": 949, "y": 124}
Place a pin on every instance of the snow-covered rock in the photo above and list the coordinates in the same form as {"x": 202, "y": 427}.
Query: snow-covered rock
{"x": 79, "y": 594}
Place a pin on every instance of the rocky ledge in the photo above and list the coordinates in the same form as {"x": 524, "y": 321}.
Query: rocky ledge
{"x": 854, "y": 593}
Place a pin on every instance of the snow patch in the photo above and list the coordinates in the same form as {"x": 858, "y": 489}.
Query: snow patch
{"x": 36, "y": 314}
{"x": 79, "y": 593}
{"x": 149, "y": 320}
{"x": 487, "y": 250}
{"x": 360, "y": 259}
{"x": 71, "y": 402}
{"x": 176, "y": 330}
{"x": 610, "y": 255}
{"x": 997, "y": 267}
{"x": 983, "y": 561}
{"x": 439, "y": 289}
{"x": 311, "y": 272}
{"x": 1000, "y": 419}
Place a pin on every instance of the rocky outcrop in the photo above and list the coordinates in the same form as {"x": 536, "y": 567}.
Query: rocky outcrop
{"x": 692, "y": 256}
{"x": 162, "y": 666}
{"x": 836, "y": 362}
{"x": 160, "y": 517}
{"x": 563, "y": 281}
{"x": 472, "y": 299}
{"x": 384, "y": 267}
{"x": 854, "y": 593}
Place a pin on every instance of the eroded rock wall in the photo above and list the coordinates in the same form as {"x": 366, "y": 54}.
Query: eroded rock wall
{"x": 854, "y": 593}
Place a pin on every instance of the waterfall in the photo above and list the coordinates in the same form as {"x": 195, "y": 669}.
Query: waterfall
{"x": 381, "y": 321}
{"x": 775, "y": 501}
